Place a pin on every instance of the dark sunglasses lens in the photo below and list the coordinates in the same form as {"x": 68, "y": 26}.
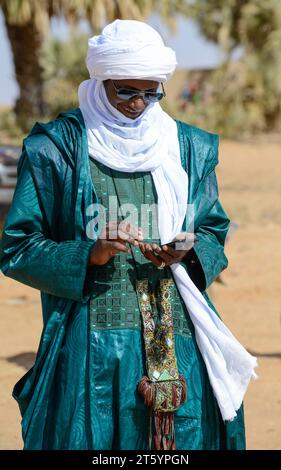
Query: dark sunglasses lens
{"x": 124, "y": 94}
{"x": 154, "y": 96}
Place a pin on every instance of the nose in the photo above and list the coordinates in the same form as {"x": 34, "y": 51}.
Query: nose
{"x": 137, "y": 103}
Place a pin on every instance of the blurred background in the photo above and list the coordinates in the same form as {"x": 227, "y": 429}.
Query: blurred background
{"x": 228, "y": 81}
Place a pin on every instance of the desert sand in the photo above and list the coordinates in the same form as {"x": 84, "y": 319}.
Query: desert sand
{"x": 249, "y": 299}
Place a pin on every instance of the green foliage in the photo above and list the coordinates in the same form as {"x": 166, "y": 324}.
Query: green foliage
{"x": 64, "y": 68}
{"x": 10, "y": 132}
{"x": 247, "y": 95}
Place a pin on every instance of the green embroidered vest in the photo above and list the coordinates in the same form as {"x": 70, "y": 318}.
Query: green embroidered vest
{"x": 115, "y": 302}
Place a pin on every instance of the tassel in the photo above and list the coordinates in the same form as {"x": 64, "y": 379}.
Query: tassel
{"x": 164, "y": 436}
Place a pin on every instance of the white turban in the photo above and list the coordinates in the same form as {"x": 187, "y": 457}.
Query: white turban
{"x": 129, "y": 49}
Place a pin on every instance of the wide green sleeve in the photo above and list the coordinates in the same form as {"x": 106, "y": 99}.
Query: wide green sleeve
{"x": 30, "y": 256}
{"x": 206, "y": 260}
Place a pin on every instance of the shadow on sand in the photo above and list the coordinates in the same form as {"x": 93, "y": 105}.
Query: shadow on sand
{"x": 25, "y": 360}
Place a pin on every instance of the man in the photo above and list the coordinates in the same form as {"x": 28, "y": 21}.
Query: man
{"x": 128, "y": 326}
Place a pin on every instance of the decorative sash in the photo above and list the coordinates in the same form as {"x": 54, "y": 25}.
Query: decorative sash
{"x": 164, "y": 390}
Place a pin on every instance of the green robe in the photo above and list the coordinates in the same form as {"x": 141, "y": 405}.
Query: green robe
{"x": 81, "y": 392}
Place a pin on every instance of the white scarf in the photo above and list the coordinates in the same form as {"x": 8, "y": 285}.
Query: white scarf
{"x": 138, "y": 145}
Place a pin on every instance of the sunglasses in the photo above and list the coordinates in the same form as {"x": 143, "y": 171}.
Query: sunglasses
{"x": 150, "y": 96}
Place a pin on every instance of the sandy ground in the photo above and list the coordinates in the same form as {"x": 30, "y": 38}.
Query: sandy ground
{"x": 249, "y": 301}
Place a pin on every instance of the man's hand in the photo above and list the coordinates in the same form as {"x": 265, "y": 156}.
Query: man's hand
{"x": 113, "y": 239}
{"x": 157, "y": 254}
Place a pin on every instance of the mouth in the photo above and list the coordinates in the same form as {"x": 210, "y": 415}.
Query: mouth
{"x": 132, "y": 113}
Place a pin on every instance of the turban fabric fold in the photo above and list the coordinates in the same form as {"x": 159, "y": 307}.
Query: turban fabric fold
{"x": 128, "y": 49}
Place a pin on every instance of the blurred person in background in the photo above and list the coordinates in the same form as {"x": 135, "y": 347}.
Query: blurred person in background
{"x": 133, "y": 354}
{"x": 190, "y": 94}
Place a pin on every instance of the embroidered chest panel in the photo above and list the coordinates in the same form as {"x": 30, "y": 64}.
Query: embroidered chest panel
{"x": 115, "y": 302}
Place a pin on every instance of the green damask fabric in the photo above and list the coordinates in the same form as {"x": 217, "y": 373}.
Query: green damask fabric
{"x": 81, "y": 391}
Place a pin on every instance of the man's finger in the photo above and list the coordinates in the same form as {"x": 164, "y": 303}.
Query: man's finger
{"x": 154, "y": 259}
{"x": 172, "y": 252}
{"x": 120, "y": 235}
{"x": 130, "y": 229}
{"x": 117, "y": 246}
{"x": 125, "y": 227}
{"x": 165, "y": 257}
{"x": 127, "y": 236}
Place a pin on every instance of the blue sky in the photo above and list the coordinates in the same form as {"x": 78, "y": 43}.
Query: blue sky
{"x": 192, "y": 51}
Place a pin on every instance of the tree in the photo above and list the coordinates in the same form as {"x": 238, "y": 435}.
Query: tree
{"x": 248, "y": 92}
{"x": 64, "y": 68}
{"x": 25, "y": 33}
{"x": 27, "y": 22}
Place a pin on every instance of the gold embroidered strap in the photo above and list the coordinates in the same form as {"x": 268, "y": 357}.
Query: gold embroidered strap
{"x": 164, "y": 389}
{"x": 158, "y": 335}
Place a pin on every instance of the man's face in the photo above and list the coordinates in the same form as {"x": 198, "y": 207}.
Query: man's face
{"x": 134, "y": 107}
